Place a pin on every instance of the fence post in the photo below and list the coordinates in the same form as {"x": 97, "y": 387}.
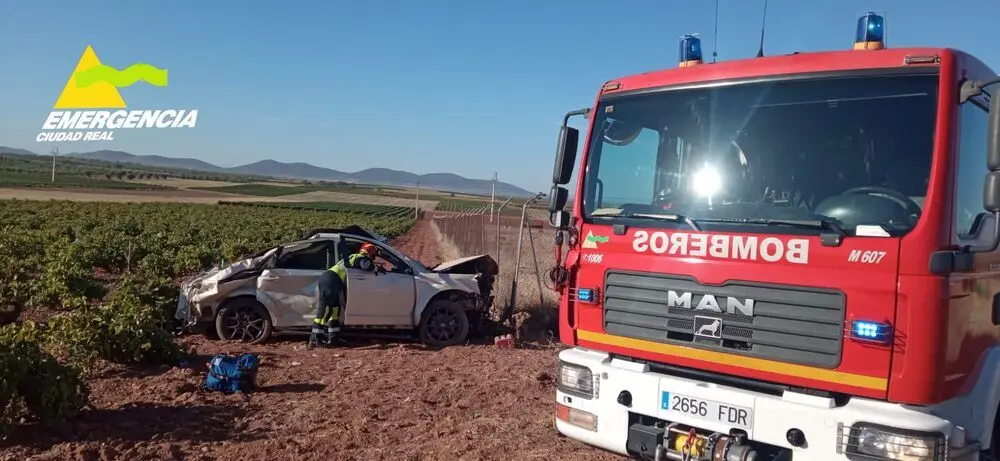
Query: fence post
{"x": 509, "y": 311}
{"x": 499, "y": 220}
{"x": 538, "y": 272}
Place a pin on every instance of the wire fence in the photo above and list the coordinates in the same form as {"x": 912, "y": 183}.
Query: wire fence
{"x": 478, "y": 232}
{"x": 466, "y": 231}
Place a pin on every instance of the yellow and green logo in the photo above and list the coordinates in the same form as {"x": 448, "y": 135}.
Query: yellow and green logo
{"x": 90, "y": 106}
{"x": 94, "y": 85}
{"x": 591, "y": 240}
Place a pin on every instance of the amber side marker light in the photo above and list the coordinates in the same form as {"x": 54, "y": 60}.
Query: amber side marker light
{"x": 578, "y": 418}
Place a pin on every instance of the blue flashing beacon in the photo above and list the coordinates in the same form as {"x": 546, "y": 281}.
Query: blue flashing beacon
{"x": 871, "y": 32}
{"x": 690, "y": 51}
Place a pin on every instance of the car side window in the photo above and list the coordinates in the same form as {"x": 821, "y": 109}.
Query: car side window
{"x": 349, "y": 246}
{"x": 971, "y": 168}
{"x": 313, "y": 257}
{"x": 394, "y": 264}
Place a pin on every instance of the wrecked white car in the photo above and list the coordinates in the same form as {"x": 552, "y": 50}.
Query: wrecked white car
{"x": 276, "y": 291}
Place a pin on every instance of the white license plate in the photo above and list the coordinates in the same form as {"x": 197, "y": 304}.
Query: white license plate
{"x": 728, "y": 414}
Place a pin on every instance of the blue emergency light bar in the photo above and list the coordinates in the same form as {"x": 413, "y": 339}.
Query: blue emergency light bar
{"x": 871, "y": 32}
{"x": 690, "y": 51}
{"x": 875, "y": 332}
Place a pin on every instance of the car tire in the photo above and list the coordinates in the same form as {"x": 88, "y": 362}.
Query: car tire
{"x": 243, "y": 319}
{"x": 444, "y": 323}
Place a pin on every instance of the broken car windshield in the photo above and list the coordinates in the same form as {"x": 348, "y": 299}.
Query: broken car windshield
{"x": 844, "y": 151}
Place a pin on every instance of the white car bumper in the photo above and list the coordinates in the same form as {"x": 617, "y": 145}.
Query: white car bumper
{"x": 825, "y": 427}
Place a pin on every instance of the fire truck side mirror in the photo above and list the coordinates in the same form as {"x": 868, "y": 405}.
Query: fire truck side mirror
{"x": 559, "y": 219}
{"x": 993, "y": 132}
{"x": 557, "y": 198}
{"x": 991, "y": 192}
{"x": 569, "y": 139}
{"x": 991, "y": 187}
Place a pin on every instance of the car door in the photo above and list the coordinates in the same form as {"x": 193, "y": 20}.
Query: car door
{"x": 383, "y": 299}
{"x": 288, "y": 289}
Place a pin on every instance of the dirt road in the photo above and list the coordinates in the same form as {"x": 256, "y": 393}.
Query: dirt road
{"x": 373, "y": 401}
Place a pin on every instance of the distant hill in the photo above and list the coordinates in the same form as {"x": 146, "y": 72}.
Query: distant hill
{"x": 303, "y": 171}
{"x": 149, "y": 160}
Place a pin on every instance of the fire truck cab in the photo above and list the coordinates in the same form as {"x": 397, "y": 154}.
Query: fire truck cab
{"x": 784, "y": 257}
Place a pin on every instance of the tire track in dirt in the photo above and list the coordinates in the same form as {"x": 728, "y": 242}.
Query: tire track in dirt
{"x": 420, "y": 243}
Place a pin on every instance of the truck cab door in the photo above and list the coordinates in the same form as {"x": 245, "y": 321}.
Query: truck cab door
{"x": 382, "y": 299}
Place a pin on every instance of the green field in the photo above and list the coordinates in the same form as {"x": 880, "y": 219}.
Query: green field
{"x": 18, "y": 164}
{"x": 471, "y": 206}
{"x": 161, "y": 240}
{"x": 10, "y": 178}
{"x": 361, "y": 209}
{"x": 267, "y": 190}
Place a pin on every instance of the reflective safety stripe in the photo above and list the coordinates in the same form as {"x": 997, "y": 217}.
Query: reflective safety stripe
{"x": 352, "y": 261}
{"x": 329, "y": 315}
{"x": 340, "y": 270}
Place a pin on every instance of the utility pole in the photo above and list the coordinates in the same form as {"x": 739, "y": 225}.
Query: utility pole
{"x": 55, "y": 152}
{"x": 493, "y": 195}
{"x": 416, "y": 204}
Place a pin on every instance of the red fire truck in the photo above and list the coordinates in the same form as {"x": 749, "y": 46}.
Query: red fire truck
{"x": 784, "y": 257}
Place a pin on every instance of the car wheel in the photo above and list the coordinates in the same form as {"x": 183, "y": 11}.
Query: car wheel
{"x": 243, "y": 319}
{"x": 444, "y": 324}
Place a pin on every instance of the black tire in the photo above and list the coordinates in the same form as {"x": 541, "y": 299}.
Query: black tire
{"x": 243, "y": 319}
{"x": 444, "y": 323}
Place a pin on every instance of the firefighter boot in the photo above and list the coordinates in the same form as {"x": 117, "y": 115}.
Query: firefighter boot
{"x": 317, "y": 336}
{"x": 332, "y": 332}
{"x": 332, "y": 326}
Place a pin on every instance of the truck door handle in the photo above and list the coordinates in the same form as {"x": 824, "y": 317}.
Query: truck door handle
{"x": 269, "y": 278}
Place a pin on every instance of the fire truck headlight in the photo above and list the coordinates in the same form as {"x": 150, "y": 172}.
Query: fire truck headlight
{"x": 879, "y": 442}
{"x": 576, "y": 380}
{"x": 706, "y": 182}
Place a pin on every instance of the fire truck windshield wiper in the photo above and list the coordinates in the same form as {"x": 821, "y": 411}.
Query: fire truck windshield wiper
{"x": 824, "y": 224}
{"x": 617, "y": 213}
{"x": 666, "y": 217}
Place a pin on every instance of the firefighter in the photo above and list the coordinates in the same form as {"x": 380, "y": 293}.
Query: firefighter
{"x": 330, "y": 286}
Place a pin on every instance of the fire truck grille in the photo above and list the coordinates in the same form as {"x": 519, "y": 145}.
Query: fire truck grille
{"x": 792, "y": 324}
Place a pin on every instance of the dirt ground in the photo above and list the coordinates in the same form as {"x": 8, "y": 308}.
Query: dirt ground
{"x": 364, "y": 401}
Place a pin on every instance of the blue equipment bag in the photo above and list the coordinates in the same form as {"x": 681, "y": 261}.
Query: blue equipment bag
{"x": 230, "y": 374}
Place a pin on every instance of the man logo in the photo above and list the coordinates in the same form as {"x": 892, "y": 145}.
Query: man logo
{"x": 706, "y": 302}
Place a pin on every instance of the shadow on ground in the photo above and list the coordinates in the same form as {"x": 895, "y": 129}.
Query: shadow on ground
{"x": 141, "y": 422}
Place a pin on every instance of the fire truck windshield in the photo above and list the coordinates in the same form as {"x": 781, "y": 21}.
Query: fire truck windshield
{"x": 848, "y": 150}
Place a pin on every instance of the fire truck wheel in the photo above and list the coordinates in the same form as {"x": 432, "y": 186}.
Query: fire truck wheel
{"x": 444, "y": 323}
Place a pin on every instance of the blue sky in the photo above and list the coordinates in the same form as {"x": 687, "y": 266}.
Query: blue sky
{"x": 424, "y": 86}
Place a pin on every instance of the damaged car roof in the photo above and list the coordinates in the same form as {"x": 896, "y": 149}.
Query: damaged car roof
{"x": 353, "y": 229}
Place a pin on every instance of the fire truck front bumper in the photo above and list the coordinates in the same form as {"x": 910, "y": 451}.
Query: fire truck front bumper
{"x": 623, "y": 407}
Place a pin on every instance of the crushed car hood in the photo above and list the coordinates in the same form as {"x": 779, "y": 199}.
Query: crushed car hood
{"x": 206, "y": 283}
{"x": 479, "y": 264}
